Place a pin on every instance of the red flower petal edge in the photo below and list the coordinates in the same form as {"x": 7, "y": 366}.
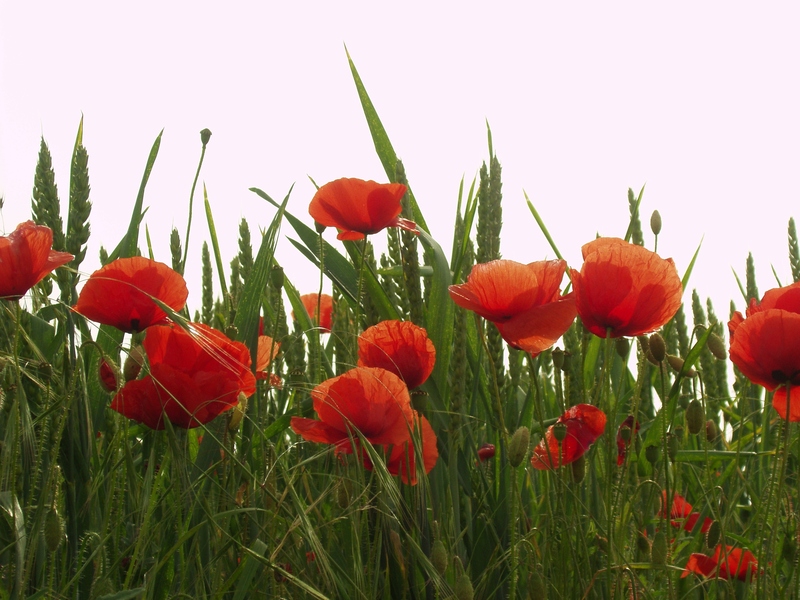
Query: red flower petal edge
{"x": 584, "y": 424}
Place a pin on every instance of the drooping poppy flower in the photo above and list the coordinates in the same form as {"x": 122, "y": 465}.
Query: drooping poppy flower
{"x": 584, "y": 424}
{"x": 267, "y": 351}
{"x": 485, "y": 452}
{"x": 325, "y": 302}
{"x": 523, "y": 301}
{"x": 400, "y": 347}
{"x": 765, "y": 346}
{"x": 734, "y": 563}
{"x": 622, "y": 443}
{"x": 194, "y": 376}
{"x": 375, "y": 402}
{"x": 122, "y": 294}
{"x": 625, "y": 290}
{"x": 107, "y": 376}
{"x": 681, "y": 513}
{"x": 26, "y": 257}
{"x": 358, "y": 208}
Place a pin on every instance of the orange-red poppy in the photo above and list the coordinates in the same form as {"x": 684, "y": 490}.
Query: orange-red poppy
{"x": 681, "y": 513}
{"x": 123, "y": 294}
{"x": 325, "y": 302}
{"x": 375, "y": 402}
{"x": 523, "y": 301}
{"x": 194, "y": 376}
{"x": 584, "y": 424}
{"x": 622, "y": 443}
{"x": 765, "y": 346}
{"x": 358, "y": 208}
{"x": 733, "y": 563}
{"x": 26, "y": 257}
{"x": 267, "y": 351}
{"x": 625, "y": 290}
{"x": 400, "y": 347}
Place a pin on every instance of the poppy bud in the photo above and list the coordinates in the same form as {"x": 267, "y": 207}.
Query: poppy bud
{"x": 658, "y": 348}
{"x": 419, "y": 400}
{"x": 625, "y": 434}
{"x": 485, "y": 452}
{"x": 713, "y": 534}
{"x": 643, "y": 545}
{"x": 343, "y": 495}
{"x": 276, "y": 277}
{"x": 673, "y": 445}
{"x": 439, "y": 558}
{"x": 644, "y": 343}
{"x": 319, "y": 227}
{"x": 677, "y": 364}
{"x": 463, "y": 588}
{"x": 518, "y": 446}
{"x": 238, "y": 412}
{"x": 558, "y": 358}
{"x": 717, "y": 347}
{"x": 579, "y": 469}
{"x": 658, "y": 551}
{"x": 53, "y": 530}
{"x": 622, "y": 346}
{"x": 205, "y": 135}
{"x": 652, "y": 454}
{"x": 711, "y": 430}
{"x": 695, "y": 417}
{"x": 107, "y": 375}
{"x": 133, "y": 364}
{"x": 655, "y": 222}
{"x": 560, "y": 431}
{"x": 537, "y": 586}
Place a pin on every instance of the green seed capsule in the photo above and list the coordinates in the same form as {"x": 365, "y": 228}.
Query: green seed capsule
{"x": 518, "y": 446}
{"x": 673, "y": 445}
{"x": 695, "y": 417}
{"x": 658, "y": 347}
{"x": 53, "y": 530}
{"x": 717, "y": 347}
{"x": 713, "y": 535}
{"x": 652, "y": 454}
{"x": 658, "y": 551}
{"x": 463, "y": 588}
{"x": 439, "y": 557}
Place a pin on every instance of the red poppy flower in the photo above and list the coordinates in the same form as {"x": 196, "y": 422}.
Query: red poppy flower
{"x": 523, "y": 301}
{"x": 325, "y": 309}
{"x": 485, "y": 452}
{"x": 735, "y": 563}
{"x": 584, "y": 424}
{"x": 681, "y": 513}
{"x": 400, "y": 347}
{"x": 122, "y": 294}
{"x": 622, "y": 444}
{"x": 765, "y": 346}
{"x": 625, "y": 290}
{"x": 402, "y": 460}
{"x": 358, "y": 208}
{"x": 26, "y": 258}
{"x": 194, "y": 376}
{"x": 108, "y": 379}
{"x": 267, "y": 351}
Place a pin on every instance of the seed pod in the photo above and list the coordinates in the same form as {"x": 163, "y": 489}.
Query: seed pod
{"x": 518, "y": 446}
{"x": 579, "y": 469}
{"x": 560, "y": 431}
{"x": 658, "y": 551}
{"x": 558, "y": 358}
{"x": 713, "y": 534}
{"x": 53, "y": 530}
{"x": 205, "y": 135}
{"x": 655, "y": 222}
{"x": 652, "y": 454}
{"x": 342, "y": 495}
{"x": 419, "y": 400}
{"x": 673, "y": 445}
{"x": 463, "y": 588}
{"x": 622, "y": 346}
{"x": 276, "y": 277}
{"x": 677, "y": 364}
{"x": 643, "y": 545}
{"x": 537, "y": 585}
{"x": 658, "y": 348}
{"x": 133, "y": 364}
{"x": 717, "y": 347}
{"x": 439, "y": 557}
{"x": 711, "y": 430}
{"x": 695, "y": 417}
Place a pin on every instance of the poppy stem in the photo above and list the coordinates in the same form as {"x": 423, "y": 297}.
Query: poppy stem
{"x": 191, "y": 202}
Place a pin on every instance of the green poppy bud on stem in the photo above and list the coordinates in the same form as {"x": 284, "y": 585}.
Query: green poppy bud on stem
{"x": 205, "y": 135}
{"x": 658, "y": 550}
{"x": 53, "y": 530}
{"x": 518, "y": 446}
{"x": 537, "y": 585}
{"x": 439, "y": 557}
{"x": 622, "y": 346}
{"x": 713, "y": 534}
{"x": 677, "y": 364}
{"x": 673, "y": 445}
{"x": 711, "y": 430}
{"x": 717, "y": 347}
{"x": 238, "y": 412}
{"x": 643, "y": 545}
{"x": 658, "y": 348}
{"x": 276, "y": 277}
{"x": 655, "y": 222}
{"x": 695, "y": 417}
{"x": 343, "y": 494}
{"x": 652, "y": 454}
{"x": 463, "y": 588}
{"x": 133, "y": 364}
{"x": 558, "y": 358}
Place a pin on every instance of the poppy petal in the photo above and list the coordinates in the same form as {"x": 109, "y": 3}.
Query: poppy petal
{"x": 584, "y": 423}
{"x": 400, "y": 347}
{"x": 539, "y": 328}
{"x": 26, "y": 257}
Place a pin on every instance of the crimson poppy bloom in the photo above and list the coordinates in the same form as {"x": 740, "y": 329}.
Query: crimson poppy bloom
{"x": 622, "y": 444}
{"x": 267, "y": 351}
{"x": 400, "y": 347}
{"x": 625, "y": 290}
{"x": 375, "y": 402}
{"x": 26, "y": 257}
{"x": 325, "y": 302}
{"x": 358, "y": 208}
{"x": 123, "y": 294}
{"x": 584, "y": 424}
{"x": 107, "y": 376}
{"x": 681, "y": 513}
{"x": 765, "y": 346}
{"x": 194, "y": 376}
{"x": 485, "y": 452}
{"x": 734, "y": 563}
{"x": 523, "y": 301}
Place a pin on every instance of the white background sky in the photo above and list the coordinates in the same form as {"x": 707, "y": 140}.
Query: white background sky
{"x": 699, "y": 101}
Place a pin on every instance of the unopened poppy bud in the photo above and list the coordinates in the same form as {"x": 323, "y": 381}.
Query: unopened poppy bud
{"x": 658, "y": 348}
{"x": 133, "y": 364}
{"x": 579, "y": 469}
{"x": 673, "y": 445}
{"x": 658, "y": 551}
{"x": 537, "y": 586}
{"x": 560, "y": 431}
{"x": 518, "y": 446}
{"x": 53, "y": 530}
{"x": 205, "y": 135}
{"x": 343, "y": 495}
{"x": 717, "y": 347}
{"x": 713, "y": 534}
{"x": 238, "y": 412}
{"x": 485, "y": 452}
{"x": 652, "y": 454}
{"x": 558, "y": 358}
{"x": 622, "y": 346}
{"x": 107, "y": 375}
{"x": 463, "y": 588}
{"x": 695, "y": 417}
{"x": 655, "y": 222}
{"x": 439, "y": 557}
{"x": 677, "y": 364}
{"x": 276, "y": 277}
{"x": 643, "y": 545}
{"x": 711, "y": 430}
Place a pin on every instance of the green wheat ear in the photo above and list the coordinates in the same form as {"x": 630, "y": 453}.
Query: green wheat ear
{"x": 752, "y": 288}
{"x": 80, "y": 208}
{"x": 208, "y": 289}
{"x": 794, "y": 251}
{"x": 410, "y": 256}
{"x": 635, "y": 224}
{"x": 175, "y": 249}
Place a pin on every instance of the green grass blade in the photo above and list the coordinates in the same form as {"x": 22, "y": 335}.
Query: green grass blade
{"x": 212, "y": 230}
{"x": 542, "y": 226}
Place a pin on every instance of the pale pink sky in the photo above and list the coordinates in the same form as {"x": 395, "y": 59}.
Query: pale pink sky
{"x": 699, "y": 101}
